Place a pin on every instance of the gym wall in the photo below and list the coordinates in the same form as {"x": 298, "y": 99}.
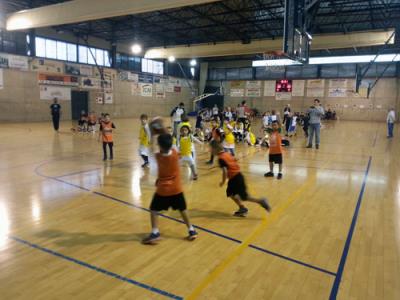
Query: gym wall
{"x": 20, "y": 99}
{"x": 386, "y": 94}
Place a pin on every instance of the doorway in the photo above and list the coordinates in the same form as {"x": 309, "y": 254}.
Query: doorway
{"x": 79, "y": 102}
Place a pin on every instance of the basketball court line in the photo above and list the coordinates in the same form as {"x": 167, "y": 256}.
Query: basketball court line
{"x": 339, "y": 274}
{"x": 95, "y": 268}
{"x": 255, "y": 247}
{"x": 236, "y": 253}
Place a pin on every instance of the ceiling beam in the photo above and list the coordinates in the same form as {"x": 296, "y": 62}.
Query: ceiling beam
{"x": 86, "y": 10}
{"x": 328, "y": 41}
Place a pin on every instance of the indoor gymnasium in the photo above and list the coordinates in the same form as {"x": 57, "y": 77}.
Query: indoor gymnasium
{"x": 200, "y": 149}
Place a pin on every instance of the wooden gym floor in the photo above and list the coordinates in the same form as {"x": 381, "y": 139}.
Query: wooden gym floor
{"x": 71, "y": 225}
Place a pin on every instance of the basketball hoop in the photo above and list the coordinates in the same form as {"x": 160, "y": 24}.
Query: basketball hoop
{"x": 273, "y": 57}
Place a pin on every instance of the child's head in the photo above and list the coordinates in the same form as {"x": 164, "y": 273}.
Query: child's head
{"x": 143, "y": 119}
{"x": 185, "y": 118}
{"x": 107, "y": 117}
{"x": 185, "y": 130}
{"x": 275, "y": 125}
{"x": 214, "y": 123}
{"x": 273, "y": 112}
{"x": 226, "y": 120}
{"x": 216, "y": 147}
{"x": 170, "y": 130}
{"x": 164, "y": 141}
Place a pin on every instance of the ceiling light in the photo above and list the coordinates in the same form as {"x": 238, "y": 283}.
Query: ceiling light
{"x": 193, "y": 62}
{"x": 171, "y": 59}
{"x": 136, "y": 49}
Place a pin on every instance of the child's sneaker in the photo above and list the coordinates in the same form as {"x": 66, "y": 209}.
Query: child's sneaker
{"x": 279, "y": 175}
{"x": 210, "y": 162}
{"x": 145, "y": 165}
{"x": 194, "y": 177}
{"x": 269, "y": 174}
{"x": 242, "y": 212}
{"x": 264, "y": 203}
{"x": 192, "y": 235}
{"x": 151, "y": 239}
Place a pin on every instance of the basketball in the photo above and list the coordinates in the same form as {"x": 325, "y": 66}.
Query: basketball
{"x": 157, "y": 126}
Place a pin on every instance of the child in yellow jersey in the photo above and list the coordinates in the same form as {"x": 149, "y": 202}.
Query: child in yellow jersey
{"x": 186, "y": 140}
{"x": 144, "y": 140}
{"x": 229, "y": 140}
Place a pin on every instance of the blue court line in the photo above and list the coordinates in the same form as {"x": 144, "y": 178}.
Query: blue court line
{"x": 338, "y": 278}
{"x": 255, "y": 247}
{"x": 97, "y": 269}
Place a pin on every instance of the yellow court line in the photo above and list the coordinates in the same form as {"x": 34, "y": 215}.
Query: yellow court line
{"x": 276, "y": 214}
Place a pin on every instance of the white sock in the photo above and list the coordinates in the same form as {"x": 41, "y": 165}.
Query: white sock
{"x": 191, "y": 228}
{"x": 155, "y": 231}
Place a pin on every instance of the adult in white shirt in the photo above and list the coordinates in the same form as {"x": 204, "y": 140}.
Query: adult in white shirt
{"x": 241, "y": 113}
{"x": 390, "y": 119}
{"x": 176, "y": 115}
{"x": 228, "y": 114}
{"x": 215, "y": 110}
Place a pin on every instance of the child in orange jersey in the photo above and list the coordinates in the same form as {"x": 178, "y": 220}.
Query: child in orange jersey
{"x": 169, "y": 192}
{"x": 237, "y": 189}
{"x": 275, "y": 151}
{"x": 106, "y": 132}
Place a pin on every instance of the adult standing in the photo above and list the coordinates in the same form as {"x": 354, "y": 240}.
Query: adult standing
{"x": 55, "y": 110}
{"x": 241, "y": 113}
{"x": 315, "y": 113}
{"x": 390, "y": 119}
{"x": 176, "y": 115}
{"x": 286, "y": 112}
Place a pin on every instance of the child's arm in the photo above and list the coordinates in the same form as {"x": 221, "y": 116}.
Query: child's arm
{"x": 196, "y": 140}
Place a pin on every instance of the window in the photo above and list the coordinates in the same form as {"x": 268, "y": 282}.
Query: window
{"x": 48, "y": 48}
{"x": 51, "y": 49}
{"x": 193, "y": 71}
{"x": 61, "y": 51}
{"x": 71, "y": 52}
{"x": 152, "y": 66}
{"x": 83, "y": 54}
{"x": 100, "y": 57}
{"x": 40, "y": 47}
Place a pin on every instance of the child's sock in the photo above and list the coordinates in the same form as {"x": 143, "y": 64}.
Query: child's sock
{"x": 191, "y": 228}
{"x": 155, "y": 231}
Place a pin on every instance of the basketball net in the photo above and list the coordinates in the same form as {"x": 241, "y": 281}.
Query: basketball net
{"x": 274, "y": 56}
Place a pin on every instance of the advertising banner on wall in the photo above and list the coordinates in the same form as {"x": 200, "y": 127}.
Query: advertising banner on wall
{"x": 253, "y": 92}
{"x": 58, "y": 79}
{"x": 48, "y": 92}
{"x": 109, "y": 74}
{"x": 283, "y": 96}
{"x": 160, "y": 90}
{"x": 237, "y": 84}
{"x": 145, "y": 78}
{"x": 128, "y": 76}
{"x": 1, "y": 79}
{"x": 108, "y": 98}
{"x": 146, "y": 89}
{"x": 315, "y": 87}
{"x": 269, "y": 88}
{"x": 298, "y": 88}
{"x": 337, "y": 88}
{"x": 18, "y": 62}
{"x": 237, "y": 92}
{"x": 48, "y": 66}
{"x": 96, "y": 83}
{"x": 135, "y": 89}
{"x": 255, "y": 84}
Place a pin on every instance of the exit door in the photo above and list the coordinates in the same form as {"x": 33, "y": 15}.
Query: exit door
{"x": 79, "y": 103}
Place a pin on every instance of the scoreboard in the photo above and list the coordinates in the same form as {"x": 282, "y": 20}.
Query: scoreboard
{"x": 283, "y": 86}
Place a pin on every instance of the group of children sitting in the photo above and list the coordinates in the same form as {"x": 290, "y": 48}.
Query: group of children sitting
{"x": 88, "y": 122}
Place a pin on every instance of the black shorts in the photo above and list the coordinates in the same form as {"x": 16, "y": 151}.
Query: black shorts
{"x": 276, "y": 158}
{"x": 237, "y": 186}
{"x": 177, "y": 202}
